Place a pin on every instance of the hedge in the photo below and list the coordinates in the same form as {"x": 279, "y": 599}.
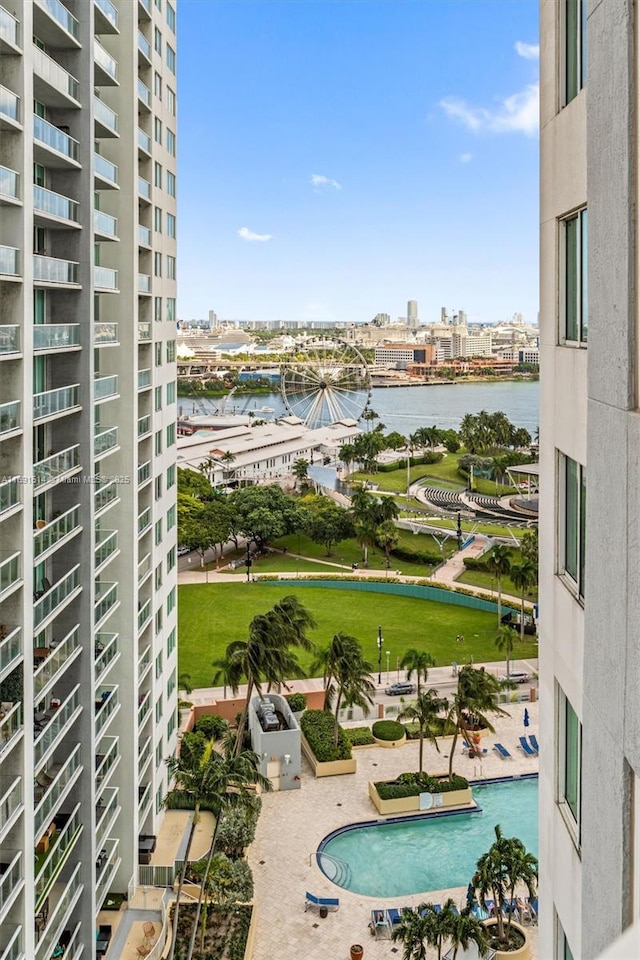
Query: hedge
{"x": 437, "y": 727}
{"x": 388, "y": 730}
{"x": 416, "y": 556}
{"x": 212, "y": 725}
{"x": 319, "y": 727}
{"x": 358, "y": 736}
{"x": 297, "y": 702}
{"x": 431, "y": 456}
{"x": 413, "y": 784}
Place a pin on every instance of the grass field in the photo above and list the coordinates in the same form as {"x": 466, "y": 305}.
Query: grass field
{"x": 471, "y": 526}
{"x": 444, "y": 474}
{"x": 211, "y": 615}
{"x": 481, "y": 578}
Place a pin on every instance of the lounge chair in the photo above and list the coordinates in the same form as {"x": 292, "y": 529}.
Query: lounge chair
{"x": 502, "y": 750}
{"x": 431, "y": 908}
{"x": 480, "y": 912}
{"x": 524, "y": 910}
{"x": 380, "y": 924}
{"x": 533, "y": 740}
{"x": 533, "y": 906}
{"x": 524, "y": 745}
{"x": 332, "y": 903}
{"x": 395, "y": 915}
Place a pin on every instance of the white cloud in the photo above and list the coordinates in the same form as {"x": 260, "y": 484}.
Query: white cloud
{"x": 530, "y": 51}
{"x": 247, "y": 234}
{"x": 318, "y": 180}
{"x": 518, "y": 113}
{"x": 465, "y": 157}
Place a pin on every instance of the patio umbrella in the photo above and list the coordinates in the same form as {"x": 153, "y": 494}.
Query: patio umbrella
{"x": 471, "y": 894}
{"x": 525, "y": 719}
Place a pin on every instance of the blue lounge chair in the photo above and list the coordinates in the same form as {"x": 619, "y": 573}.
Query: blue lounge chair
{"x": 395, "y": 915}
{"x": 479, "y": 912}
{"x": 533, "y": 740}
{"x": 524, "y": 744}
{"x": 380, "y": 924}
{"x": 332, "y": 903}
{"x": 502, "y": 750}
{"x": 533, "y": 906}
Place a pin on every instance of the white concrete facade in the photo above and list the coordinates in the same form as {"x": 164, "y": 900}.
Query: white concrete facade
{"x": 88, "y": 646}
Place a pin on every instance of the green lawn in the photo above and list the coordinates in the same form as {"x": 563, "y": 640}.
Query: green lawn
{"x": 348, "y": 552}
{"x": 444, "y": 474}
{"x": 472, "y": 526}
{"x": 482, "y": 578}
{"x": 212, "y": 615}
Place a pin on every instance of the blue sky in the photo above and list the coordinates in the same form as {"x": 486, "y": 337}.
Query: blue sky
{"x": 340, "y": 157}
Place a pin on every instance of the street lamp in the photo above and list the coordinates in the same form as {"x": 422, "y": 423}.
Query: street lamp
{"x": 380, "y": 644}
{"x": 388, "y": 655}
{"x": 387, "y": 561}
{"x": 248, "y": 561}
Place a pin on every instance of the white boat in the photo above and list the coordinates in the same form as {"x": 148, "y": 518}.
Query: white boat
{"x": 266, "y": 410}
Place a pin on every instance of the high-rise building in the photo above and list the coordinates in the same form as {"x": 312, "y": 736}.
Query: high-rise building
{"x": 87, "y": 456}
{"x": 412, "y": 314}
{"x": 590, "y": 496}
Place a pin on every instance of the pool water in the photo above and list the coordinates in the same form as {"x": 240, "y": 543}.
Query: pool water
{"x": 431, "y": 853}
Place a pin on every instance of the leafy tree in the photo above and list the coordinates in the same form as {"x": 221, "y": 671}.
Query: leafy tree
{"x": 347, "y": 676}
{"x": 387, "y": 536}
{"x": 464, "y": 929}
{"x": 418, "y": 662}
{"x": 504, "y": 643}
{"x": 499, "y": 871}
{"x": 369, "y": 416}
{"x": 529, "y": 545}
{"x": 329, "y": 524}
{"x": 414, "y": 931}
{"x": 395, "y": 441}
{"x": 498, "y": 565}
{"x": 424, "y": 711}
{"x": 299, "y": 470}
{"x": 450, "y": 440}
{"x": 264, "y": 513}
{"x": 347, "y": 454}
{"x": 523, "y": 575}
{"x": 194, "y": 484}
{"x": 476, "y": 697}
{"x": 383, "y": 509}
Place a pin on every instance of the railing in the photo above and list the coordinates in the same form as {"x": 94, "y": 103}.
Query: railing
{"x": 144, "y": 568}
{"x": 56, "y": 791}
{"x": 109, "y": 759}
{"x": 13, "y": 949}
{"x": 9, "y": 494}
{"x": 109, "y": 11}
{"x": 10, "y": 415}
{"x": 104, "y": 169}
{"x": 144, "y": 708}
{"x": 10, "y": 182}
{"x": 105, "y": 441}
{"x": 10, "y": 572}
{"x": 61, "y": 14}
{"x": 56, "y": 596}
{"x": 55, "y": 401}
{"x": 106, "y": 872}
{"x": 57, "y": 856}
{"x": 105, "y": 601}
{"x": 57, "y": 726}
{"x": 144, "y": 615}
{"x": 105, "y": 278}
{"x": 11, "y": 878}
{"x": 147, "y": 5}
{"x": 105, "y": 224}
{"x": 144, "y": 94}
{"x": 10, "y": 339}
{"x": 56, "y": 465}
{"x": 10, "y": 261}
{"x": 105, "y": 812}
{"x": 144, "y": 283}
{"x": 105, "y": 387}
{"x": 144, "y": 472}
{"x": 144, "y": 755}
{"x": 51, "y": 71}
{"x": 144, "y": 331}
{"x": 144, "y": 799}
{"x": 11, "y": 647}
{"x": 105, "y": 115}
{"x": 53, "y": 270}
{"x": 45, "y": 132}
{"x": 56, "y": 530}
{"x": 10, "y": 726}
{"x": 144, "y": 188}
{"x": 144, "y": 46}
{"x": 9, "y": 104}
{"x": 75, "y": 947}
{"x": 104, "y": 60}
{"x": 56, "y": 204}
{"x": 105, "y": 333}
{"x": 56, "y": 336}
{"x": 108, "y": 642}
{"x": 144, "y": 141}
{"x": 9, "y": 27}
{"x": 56, "y": 660}
{"x": 106, "y": 548}
{"x": 144, "y": 521}
{"x": 10, "y": 801}
{"x": 144, "y": 379}
{"x": 105, "y": 495}
{"x": 144, "y": 425}
{"x": 72, "y": 891}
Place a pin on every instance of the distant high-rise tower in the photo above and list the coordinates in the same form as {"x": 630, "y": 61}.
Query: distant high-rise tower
{"x": 412, "y": 313}
{"x": 213, "y": 320}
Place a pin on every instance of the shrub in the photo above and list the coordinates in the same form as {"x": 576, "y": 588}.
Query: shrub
{"x": 211, "y": 725}
{"x": 388, "y": 730}
{"x": 318, "y": 727}
{"x": 416, "y": 556}
{"x": 297, "y": 702}
{"x": 237, "y": 828}
{"x": 413, "y": 784}
{"x": 439, "y": 727}
{"x": 359, "y": 736}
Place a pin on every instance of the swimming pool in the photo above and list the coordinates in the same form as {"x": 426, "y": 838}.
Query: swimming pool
{"x": 416, "y": 855}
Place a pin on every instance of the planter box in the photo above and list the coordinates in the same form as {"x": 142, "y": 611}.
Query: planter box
{"x": 524, "y": 953}
{"x": 251, "y": 935}
{"x": 328, "y": 768}
{"x": 390, "y": 743}
{"x": 403, "y": 805}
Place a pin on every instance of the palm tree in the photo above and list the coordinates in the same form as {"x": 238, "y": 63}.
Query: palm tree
{"x": 385, "y": 509}
{"x": 418, "y": 662}
{"x": 347, "y": 676}
{"x": 424, "y": 711}
{"x": 413, "y": 930}
{"x": 504, "y": 643}
{"x": 184, "y": 683}
{"x": 387, "y": 536}
{"x": 524, "y": 575}
{"x": 464, "y": 929}
{"x": 347, "y": 455}
{"x": 499, "y": 871}
{"x": 476, "y": 697}
{"x": 226, "y": 672}
{"x": 299, "y": 469}
{"x": 498, "y": 564}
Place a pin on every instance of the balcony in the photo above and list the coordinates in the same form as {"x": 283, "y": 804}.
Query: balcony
{"x": 144, "y": 189}
{"x": 144, "y": 9}
{"x": 144, "y": 797}
{"x": 106, "y": 705}
{"x": 144, "y": 95}
{"x": 144, "y": 616}
{"x": 9, "y": 32}
{"x": 55, "y": 534}
{"x": 51, "y": 270}
{"x": 105, "y": 549}
{"x": 144, "y": 473}
{"x": 10, "y": 341}
{"x": 10, "y": 651}
{"x": 49, "y": 865}
{"x": 57, "y": 148}
{"x": 144, "y": 426}
{"x": 10, "y": 496}
{"x": 11, "y": 802}
{"x": 106, "y": 17}
{"x": 144, "y": 331}
{"x": 144, "y": 380}
{"x": 105, "y": 388}
{"x": 144, "y": 283}
{"x": 144, "y": 51}
{"x": 106, "y": 867}
{"x": 64, "y": 896}
{"x": 55, "y": 403}
{"x": 11, "y": 880}
{"x": 106, "y": 601}
{"x": 105, "y": 442}
{"x": 107, "y": 811}
{"x": 10, "y": 416}
{"x": 105, "y": 119}
{"x": 56, "y": 726}
{"x": 105, "y": 496}
{"x": 57, "y": 597}
{"x": 105, "y": 66}
{"x": 105, "y": 334}
{"x": 49, "y": 337}
{"x": 10, "y": 574}
{"x": 106, "y": 761}
{"x": 52, "y": 84}
{"x": 144, "y": 236}
{"x": 144, "y": 144}
{"x": 105, "y": 173}
{"x": 144, "y": 569}
{"x": 145, "y": 752}
{"x": 9, "y": 110}
{"x": 57, "y": 467}
{"x": 11, "y": 943}
{"x": 62, "y": 18}
{"x": 144, "y": 707}
{"x": 10, "y": 186}
{"x": 107, "y": 651}
{"x": 54, "y": 206}
{"x": 105, "y": 279}
{"x": 144, "y": 521}
{"x": 105, "y": 225}
{"x": 145, "y": 662}
{"x": 9, "y": 262}
{"x": 55, "y": 662}
{"x": 11, "y": 729}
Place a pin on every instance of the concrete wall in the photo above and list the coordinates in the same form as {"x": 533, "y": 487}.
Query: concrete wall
{"x": 279, "y": 751}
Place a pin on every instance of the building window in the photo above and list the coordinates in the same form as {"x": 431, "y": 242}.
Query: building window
{"x": 171, "y": 684}
{"x": 171, "y": 517}
{"x": 157, "y": 264}
{"x": 171, "y": 58}
{"x": 569, "y": 762}
{"x": 157, "y": 308}
{"x": 157, "y": 397}
{"x": 171, "y": 309}
{"x": 171, "y": 17}
{"x": 159, "y": 709}
{"x": 171, "y": 434}
{"x": 158, "y": 352}
{"x": 171, "y": 142}
{"x": 563, "y": 950}
{"x": 171, "y": 642}
{"x": 157, "y": 41}
{"x": 171, "y": 183}
{"x": 171, "y": 725}
{"x": 575, "y": 47}
{"x": 171, "y": 225}
{"x": 157, "y": 130}
{"x": 157, "y": 219}
{"x": 576, "y": 300}
{"x": 159, "y": 666}
{"x": 157, "y": 85}
{"x": 159, "y": 799}
{"x": 159, "y": 620}
{"x": 171, "y": 559}
{"x": 171, "y": 101}
{"x": 157, "y": 179}
{"x": 171, "y": 392}
{"x": 159, "y": 752}
{"x": 158, "y": 534}
{"x": 573, "y": 504}
{"x": 171, "y": 601}
{"x": 157, "y": 577}
{"x": 171, "y": 351}
{"x": 171, "y": 268}
{"x": 158, "y": 487}
{"x": 171, "y": 476}
{"x": 158, "y": 442}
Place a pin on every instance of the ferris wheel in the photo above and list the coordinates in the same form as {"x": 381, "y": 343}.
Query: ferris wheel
{"x": 331, "y": 383}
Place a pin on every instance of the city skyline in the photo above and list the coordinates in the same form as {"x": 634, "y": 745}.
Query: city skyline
{"x": 361, "y": 156}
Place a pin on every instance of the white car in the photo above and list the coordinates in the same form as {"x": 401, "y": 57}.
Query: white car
{"x": 516, "y": 676}
{"x": 182, "y": 551}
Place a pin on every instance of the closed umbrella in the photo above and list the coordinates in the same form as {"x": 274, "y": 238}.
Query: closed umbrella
{"x": 471, "y": 894}
{"x": 525, "y": 719}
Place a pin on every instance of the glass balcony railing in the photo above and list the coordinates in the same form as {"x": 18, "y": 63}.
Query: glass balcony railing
{"x": 11, "y": 876}
{"x": 10, "y": 494}
{"x": 144, "y": 379}
{"x": 55, "y": 531}
{"x": 106, "y": 649}
{"x": 105, "y": 495}
{"x": 144, "y": 46}
{"x": 10, "y": 418}
{"x": 53, "y": 270}
{"x": 144, "y": 236}
{"x": 144, "y": 794}
{"x": 105, "y": 278}
{"x": 107, "y": 759}
{"x": 144, "y": 615}
{"x": 53, "y": 402}
{"x": 10, "y": 727}
{"x": 144, "y": 94}
{"x": 63, "y": 844}
{"x": 10, "y": 572}
{"x": 105, "y": 115}
{"x": 10, "y": 648}
{"x": 9, "y": 28}
{"x": 55, "y": 204}
{"x": 56, "y": 76}
{"x": 109, "y": 11}
{"x": 144, "y": 189}
{"x": 105, "y": 387}
{"x": 146, "y": 4}
{"x": 144, "y": 331}
{"x": 10, "y": 340}
{"x": 10, "y": 801}
{"x": 144, "y": 707}
{"x": 144, "y": 141}
{"x": 144, "y": 568}
{"x": 144, "y": 752}
{"x": 47, "y": 943}
{"x": 9, "y": 261}
{"x": 55, "y": 598}
{"x": 144, "y": 425}
{"x": 105, "y": 224}
{"x": 57, "y": 725}
{"x": 12, "y": 948}
{"x": 9, "y": 104}
{"x": 105, "y": 334}
{"x": 105, "y": 812}
{"x": 144, "y": 521}
{"x": 56, "y": 336}
{"x": 106, "y": 548}
{"x": 55, "y": 139}
{"x": 10, "y": 183}
{"x": 105, "y": 441}
{"x": 144, "y": 473}
{"x": 56, "y": 466}
{"x": 56, "y": 660}
{"x": 144, "y": 283}
{"x": 61, "y": 15}
{"x": 108, "y": 704}
{"x": 104, "y": 60}
{"x": 106, "y": 599}
{"x": 106, "y": 869}
{"x": 104, "y": 169}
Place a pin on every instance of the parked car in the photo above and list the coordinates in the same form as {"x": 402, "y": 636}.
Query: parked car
{"x": 183, "y": 550}
{"x": 398, "y": 689}
{"x": 517, "y": 676}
